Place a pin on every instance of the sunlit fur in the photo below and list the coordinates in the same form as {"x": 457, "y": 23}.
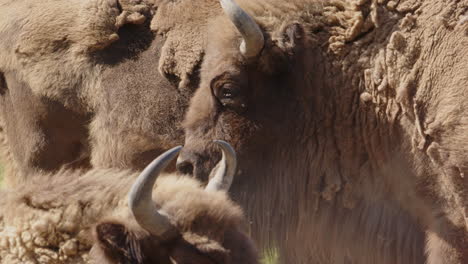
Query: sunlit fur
{"x": 94, "y": 83}
{"x": 347, "y": 143}
{"x": 59, "y": 216}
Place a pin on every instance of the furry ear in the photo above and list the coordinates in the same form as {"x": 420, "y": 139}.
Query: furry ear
{"x": 118, "y": 243}
{"x": 291, "y": 38}
{"x": 285, "y": 45}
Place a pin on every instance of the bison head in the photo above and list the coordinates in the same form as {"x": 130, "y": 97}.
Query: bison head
{"x": 261, "y": 90}
{"x": 348, "y": 124}
{"x": 181, "y": 223}
{"x": 250, "y": 86}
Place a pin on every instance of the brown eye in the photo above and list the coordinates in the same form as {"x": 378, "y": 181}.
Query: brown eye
{"x": 229, "y": 95}
{"x": 228, "y": 91}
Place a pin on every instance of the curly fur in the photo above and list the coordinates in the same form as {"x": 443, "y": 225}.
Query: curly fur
{"x": 351, "y": 128}
{"x": 52, "y": 218}
{"x": 374, "y": 110}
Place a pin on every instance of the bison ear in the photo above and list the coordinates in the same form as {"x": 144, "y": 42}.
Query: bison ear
{"x": 111, "y": 235}
{"x": 292, "y": 38}
{"x": 117, "y": 242}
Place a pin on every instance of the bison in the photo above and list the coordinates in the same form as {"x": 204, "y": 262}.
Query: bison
{"x": 95, "y": 84}
{"x": 350, "y": 120}
{"x": 176, "y": 221}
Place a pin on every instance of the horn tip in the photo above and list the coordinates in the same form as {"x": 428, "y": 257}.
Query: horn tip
{"x": 220, "y": 141}
{"x": 178, "y": 148}
{"x": 223, "y": 144}
{"x": 226, "y": 148}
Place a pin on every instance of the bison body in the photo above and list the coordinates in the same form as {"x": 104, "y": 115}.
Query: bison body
{"x": 60, "y": 220}
{"x": 100, "y": 84}
{"x": 348, "y": 120}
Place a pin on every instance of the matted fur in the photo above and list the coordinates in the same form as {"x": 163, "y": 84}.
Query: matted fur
{"x": 350, "y": 138}
{"x": 376, "y": 113}
{"x": 50, "y": 219}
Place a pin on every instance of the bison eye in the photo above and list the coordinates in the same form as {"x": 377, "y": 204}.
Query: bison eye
{"x": 229, "y": 95}
{"x": 229, "y": 91}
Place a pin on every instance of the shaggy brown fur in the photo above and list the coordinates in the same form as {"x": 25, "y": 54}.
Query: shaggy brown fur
{"x": 100, "y": 83}
{"x": 140, "y": 114}
{"x": 50, "y": 220}
{"x": 356, "y": 121}
{"x": 352, "y": 142}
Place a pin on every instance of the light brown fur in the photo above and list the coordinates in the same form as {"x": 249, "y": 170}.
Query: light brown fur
{"x": 51, "y": 221}
{"x": 375, "y": 134}
{"x": 95, "y": 83}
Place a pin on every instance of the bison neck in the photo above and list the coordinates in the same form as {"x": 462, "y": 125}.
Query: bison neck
{"x": 333, "y": 196}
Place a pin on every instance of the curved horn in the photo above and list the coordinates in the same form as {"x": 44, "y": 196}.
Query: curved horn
{"x": 253, "y": 41}
{"x": 141, "y": 202}
{"x": 223, "y": 173}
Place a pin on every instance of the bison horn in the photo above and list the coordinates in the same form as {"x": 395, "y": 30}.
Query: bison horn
{"x": 222, "y": 174}
{"x": 141, "y": 202}
{"x": 253, "y": 40}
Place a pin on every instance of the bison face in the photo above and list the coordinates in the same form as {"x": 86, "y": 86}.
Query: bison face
{"x": 247, "y": 92}
{"x": 119, "y": 243}
{"x": 184, "y": 224}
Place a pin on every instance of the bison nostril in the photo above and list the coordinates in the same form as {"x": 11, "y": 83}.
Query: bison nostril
{"x": 184, "y": 167}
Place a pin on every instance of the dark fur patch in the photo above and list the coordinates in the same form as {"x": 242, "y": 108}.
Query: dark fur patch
{"x": 118, "y": 243}
{"x": 3, "y": 85}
